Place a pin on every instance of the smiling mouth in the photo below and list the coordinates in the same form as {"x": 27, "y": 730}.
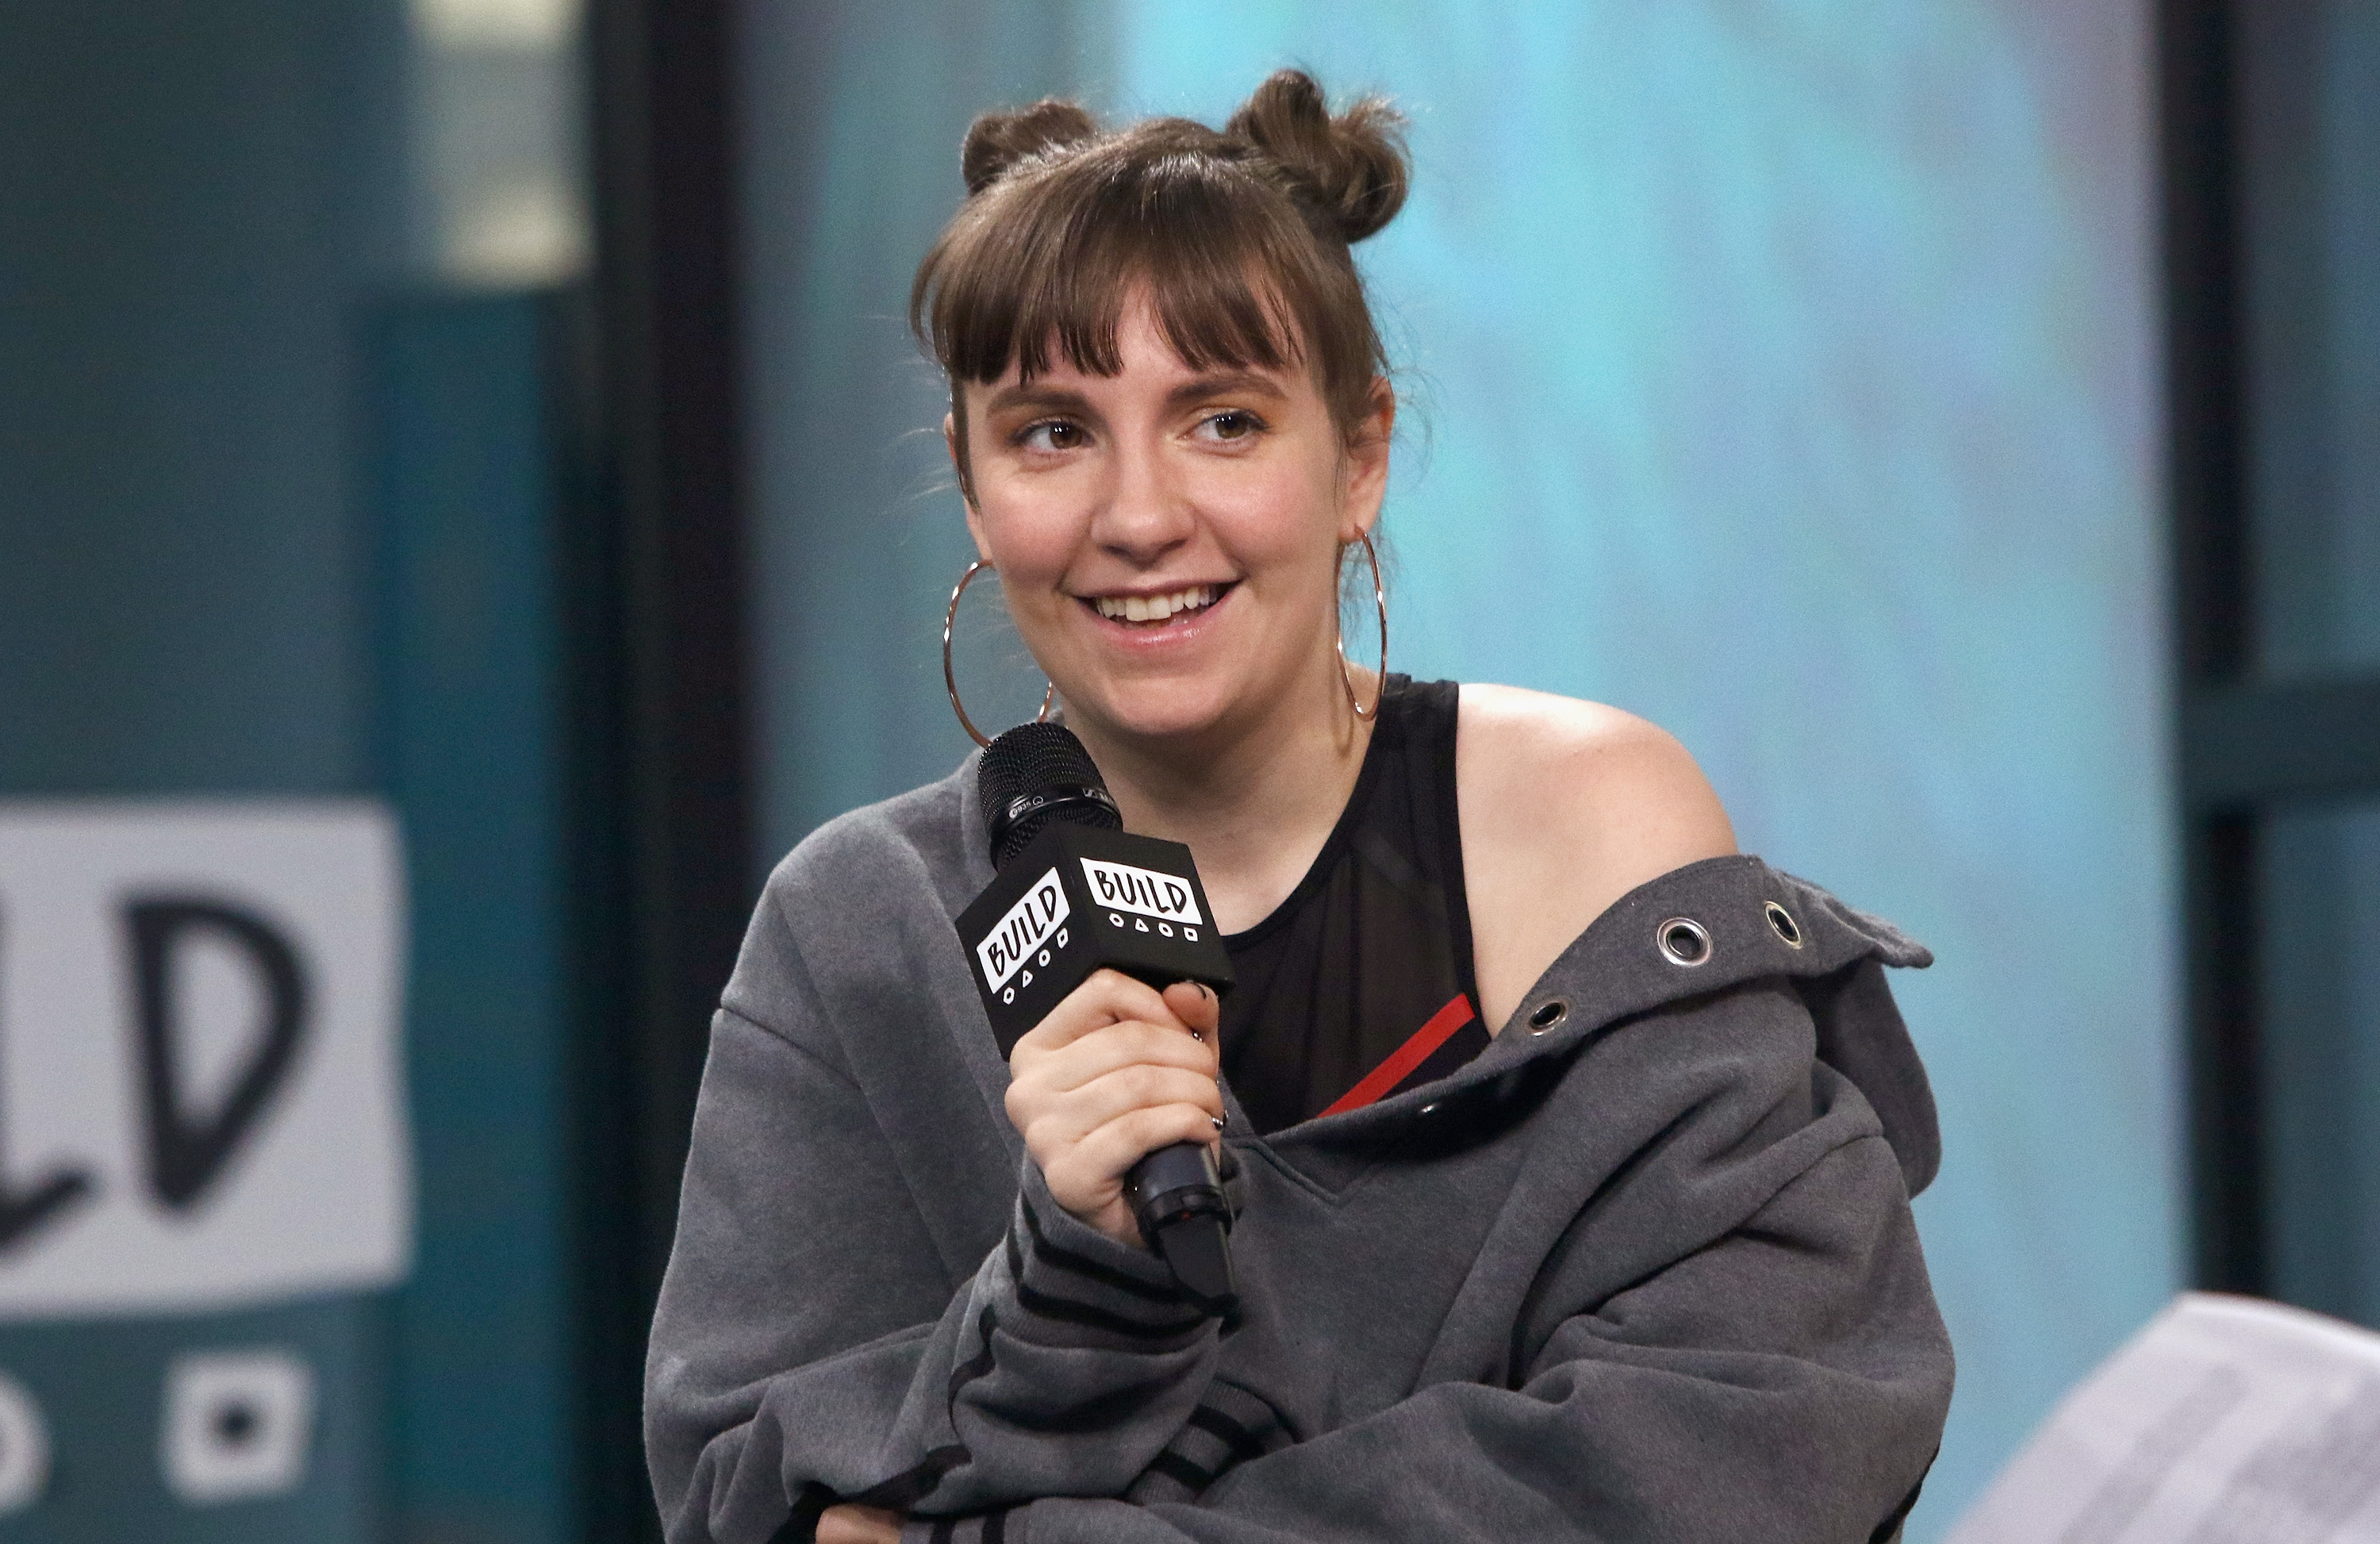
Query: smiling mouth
{"x": 1156, "y": 611}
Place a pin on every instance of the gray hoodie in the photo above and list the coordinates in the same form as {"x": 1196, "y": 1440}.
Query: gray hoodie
{"x": 1644, "y": 1269}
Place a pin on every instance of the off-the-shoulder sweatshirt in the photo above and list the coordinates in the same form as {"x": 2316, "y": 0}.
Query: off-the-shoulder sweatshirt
{"x": 1644, "y": 1269}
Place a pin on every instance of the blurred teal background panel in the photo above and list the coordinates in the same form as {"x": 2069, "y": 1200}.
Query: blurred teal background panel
{"x": 251, "y": 542}
{"x": 189, "y": 197}
{"x": 2310, "y": 112}
{"x": 101, "y": 1389}
{"x": 1780, "y": 371}
{"x": 2319, "y": 1002}
{"x": 466, "y": 485}
{"x": 2311, "y": 121}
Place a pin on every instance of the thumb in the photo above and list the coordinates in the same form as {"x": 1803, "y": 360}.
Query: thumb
{"x": 1197, "y": 1006}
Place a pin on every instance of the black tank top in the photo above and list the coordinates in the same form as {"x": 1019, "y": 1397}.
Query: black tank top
{"x": 1359, "y": 985}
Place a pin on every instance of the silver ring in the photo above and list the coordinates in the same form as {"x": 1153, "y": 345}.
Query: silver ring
{"x": 950, "y": 676}
{"x": 1380, "y": 602}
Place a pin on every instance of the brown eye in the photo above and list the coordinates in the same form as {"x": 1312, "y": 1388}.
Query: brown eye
{"x": 1052, "y": 435}
{"x": 1235, "y": 424}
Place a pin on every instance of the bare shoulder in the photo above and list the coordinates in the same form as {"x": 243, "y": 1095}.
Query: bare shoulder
{"x": 1566, "y": 806}
{"x": 1547, "y": 764}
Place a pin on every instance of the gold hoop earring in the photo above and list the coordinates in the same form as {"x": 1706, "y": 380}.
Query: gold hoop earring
{"x": 1346, "y": 675}
{"x": 950, "y": 678}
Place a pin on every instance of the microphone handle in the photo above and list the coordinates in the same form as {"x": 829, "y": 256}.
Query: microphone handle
{"x": 1178, "y": 1200}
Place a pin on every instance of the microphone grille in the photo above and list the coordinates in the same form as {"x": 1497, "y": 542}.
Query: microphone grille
{"x": 1043, "y": 759}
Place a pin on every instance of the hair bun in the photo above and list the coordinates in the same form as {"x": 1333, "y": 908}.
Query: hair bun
{"x": 997, "y": 142}
{"x": 1350, "y": 169}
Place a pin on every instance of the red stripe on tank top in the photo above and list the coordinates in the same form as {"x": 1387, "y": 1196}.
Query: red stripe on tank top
{"x": 1402, "y": 1061}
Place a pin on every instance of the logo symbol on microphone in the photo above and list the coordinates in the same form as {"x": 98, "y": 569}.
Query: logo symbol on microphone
{"x": 1166, "y": 897}
{"x": 1027, "y": 926}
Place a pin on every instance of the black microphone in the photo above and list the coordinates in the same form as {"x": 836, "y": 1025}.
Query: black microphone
{"x": 1076, "y": 892}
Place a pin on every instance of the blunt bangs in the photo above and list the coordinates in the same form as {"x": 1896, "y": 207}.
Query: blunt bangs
{"x": 1037, "y": 268}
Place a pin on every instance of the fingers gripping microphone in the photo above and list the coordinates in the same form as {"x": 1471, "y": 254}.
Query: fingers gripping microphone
{"x": 1075, "y": 893}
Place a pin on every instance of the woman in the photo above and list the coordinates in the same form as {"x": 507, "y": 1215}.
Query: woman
{"x": 1573, "y": 1149}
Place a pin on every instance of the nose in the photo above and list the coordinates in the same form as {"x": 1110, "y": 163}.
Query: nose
{"x": 1143, "y": 514}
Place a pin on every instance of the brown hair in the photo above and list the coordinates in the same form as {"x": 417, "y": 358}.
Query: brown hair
{"x": 1241, "y": 236}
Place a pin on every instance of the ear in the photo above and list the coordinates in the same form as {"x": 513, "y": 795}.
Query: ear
{"x": 967, "y": 493}
{"x": 1366, "y": 479}
{"x": 958, "y": 462}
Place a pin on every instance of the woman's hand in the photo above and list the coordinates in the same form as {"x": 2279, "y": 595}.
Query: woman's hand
{"x": 1116, "y": 1072}
{"x": 859, "y": 1525}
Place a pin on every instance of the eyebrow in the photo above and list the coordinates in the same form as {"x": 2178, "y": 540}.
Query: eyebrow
{"x": 1034, "y": 397}
{"x": 1226, "y": 384}
{"x": 1222, "y": 383}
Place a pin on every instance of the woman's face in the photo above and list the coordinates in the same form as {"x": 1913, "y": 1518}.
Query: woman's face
{"x": 1168, "y": 538}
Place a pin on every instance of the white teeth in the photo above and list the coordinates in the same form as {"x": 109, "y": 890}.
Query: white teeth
{"x": 1154, "y": 608}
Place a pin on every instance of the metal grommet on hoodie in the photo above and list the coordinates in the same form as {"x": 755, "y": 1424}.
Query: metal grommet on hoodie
{"x": 1548, "y": 1014}
{"x": 1781, "y": 923}
{"x": 1684, "y": 941}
